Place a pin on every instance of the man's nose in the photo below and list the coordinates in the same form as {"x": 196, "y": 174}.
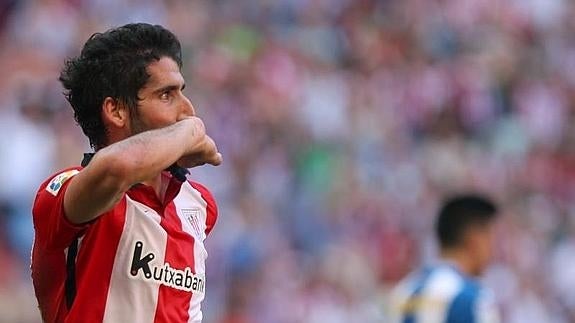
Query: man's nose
{"x": 187, "y": 107}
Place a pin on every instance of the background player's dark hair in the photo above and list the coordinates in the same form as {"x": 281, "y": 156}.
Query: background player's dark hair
{"x": 113, "y": 64}
{"x": 459, "y": 213}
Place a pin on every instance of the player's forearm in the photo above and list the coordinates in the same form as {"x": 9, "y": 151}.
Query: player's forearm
{"x": 144, "y": 155}
{"x": 114, "y": 169}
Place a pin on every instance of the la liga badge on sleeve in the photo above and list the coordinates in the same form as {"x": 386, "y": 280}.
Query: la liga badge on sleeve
{"x": 56, "y": 183}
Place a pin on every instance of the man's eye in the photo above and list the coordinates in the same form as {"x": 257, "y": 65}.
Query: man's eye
{"x": 165, "y": 96}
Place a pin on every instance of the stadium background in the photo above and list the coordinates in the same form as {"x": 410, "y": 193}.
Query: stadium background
{"x": 342, "y": 122}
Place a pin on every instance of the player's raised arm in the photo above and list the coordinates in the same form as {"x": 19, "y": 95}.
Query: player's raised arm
{"x": 115, "y": 168}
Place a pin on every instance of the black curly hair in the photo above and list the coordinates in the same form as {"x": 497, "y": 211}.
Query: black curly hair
{"x": 113, "y": 64}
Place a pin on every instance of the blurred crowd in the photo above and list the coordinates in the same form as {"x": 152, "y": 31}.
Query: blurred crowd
{"x": 343, "y": 123}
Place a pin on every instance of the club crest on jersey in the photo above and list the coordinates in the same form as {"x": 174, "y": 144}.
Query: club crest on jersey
{"x": 56, "y": 183}
{"x": 193, "y": 217}
{"x": 142, "y": 267}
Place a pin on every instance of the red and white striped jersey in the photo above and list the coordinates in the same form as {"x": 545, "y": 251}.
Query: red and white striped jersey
{"x": 142, "y": 261}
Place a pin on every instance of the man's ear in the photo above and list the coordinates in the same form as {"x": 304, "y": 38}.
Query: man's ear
{"x": 114, "y": 113}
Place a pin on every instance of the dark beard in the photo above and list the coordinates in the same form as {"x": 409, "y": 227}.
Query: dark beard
{"x": 137, "y": 126}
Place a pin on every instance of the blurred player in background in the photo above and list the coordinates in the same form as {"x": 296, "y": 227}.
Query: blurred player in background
{"x": 449, "y": 292}
{"x": 119, "y": 238}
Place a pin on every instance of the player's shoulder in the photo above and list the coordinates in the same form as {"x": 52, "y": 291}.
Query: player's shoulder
{"x": 54, "y": 182}
{"x": 211, "y": 206}
{"x": 470, "y": 304}
{"x": 410, "y": 283}
{"x": 203, "y": 190}
{"x": 438, "y": 281}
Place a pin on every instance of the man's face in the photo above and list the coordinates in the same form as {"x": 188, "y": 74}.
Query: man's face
{"x": 482, "y": 242}
{"x": 162, "y": 102}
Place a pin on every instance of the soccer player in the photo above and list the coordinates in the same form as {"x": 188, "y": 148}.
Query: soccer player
{"x": 448, "y": 292}
{"x": 119, "y": 239}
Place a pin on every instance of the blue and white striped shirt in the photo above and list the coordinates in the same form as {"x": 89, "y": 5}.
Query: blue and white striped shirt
{"x": 441, "y": 294}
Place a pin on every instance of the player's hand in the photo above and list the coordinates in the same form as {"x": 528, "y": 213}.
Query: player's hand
{"x": 203, "y": 149}
{"x": 207, "y": 154}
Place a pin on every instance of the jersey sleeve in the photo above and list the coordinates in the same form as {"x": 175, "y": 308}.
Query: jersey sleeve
{"x": 211, "y": 208}
{"x": 397, "y": 305}
{"x": 52, "y": 229}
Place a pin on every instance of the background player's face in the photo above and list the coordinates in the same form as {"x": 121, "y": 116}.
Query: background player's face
{"x": 161, "y": 101}
{"x": 481, "y": 239}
